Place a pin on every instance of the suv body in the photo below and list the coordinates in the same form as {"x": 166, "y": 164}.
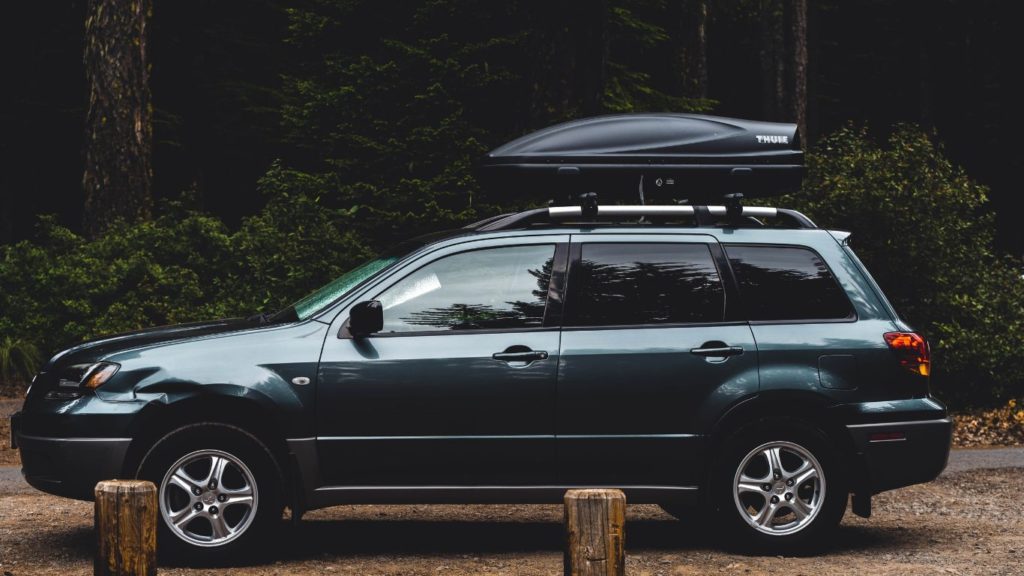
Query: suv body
{"x": 514, "y": 362}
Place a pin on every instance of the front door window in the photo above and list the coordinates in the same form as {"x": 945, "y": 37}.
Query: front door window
{"x": 489, "y": 289}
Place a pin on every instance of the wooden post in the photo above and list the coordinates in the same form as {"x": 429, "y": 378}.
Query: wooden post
{"x": 595, "y": 524}
{"x": 125, "y": 528}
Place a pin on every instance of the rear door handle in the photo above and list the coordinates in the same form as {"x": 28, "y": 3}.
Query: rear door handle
{"x": 717, "y": 351}
{"x": 527, "y": 356}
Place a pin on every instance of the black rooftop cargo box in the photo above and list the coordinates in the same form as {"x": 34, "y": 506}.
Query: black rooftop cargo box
{"x": 675, "y": 156}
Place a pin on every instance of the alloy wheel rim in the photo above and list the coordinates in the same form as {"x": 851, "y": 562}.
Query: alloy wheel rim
{"x": 779, "y": 488}
{"x": 208, "y": 498}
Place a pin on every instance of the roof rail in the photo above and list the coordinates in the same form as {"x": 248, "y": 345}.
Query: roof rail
{"x": 703, "y": 215}
{"x": 485, "y": 221}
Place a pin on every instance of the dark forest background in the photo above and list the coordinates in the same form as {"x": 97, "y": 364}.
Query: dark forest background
{"x": 291, "y": 139}
{"x": 223, "y": 72}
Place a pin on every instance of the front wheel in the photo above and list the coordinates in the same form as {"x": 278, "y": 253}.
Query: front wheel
{"x": 218, "y": 492}
{"x": 780, "y": 492}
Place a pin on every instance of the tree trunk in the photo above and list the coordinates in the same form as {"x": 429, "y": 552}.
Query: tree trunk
{"x": 783, "y": 31}
{"x": 796, "y": 15}
{"x": 772, "y": 54}
{"x": 118, "y": 174}
{"x": 926, "y": 25}
{"x": 592, "y": 53}
{"x": 814, "y": 45}
{"x": 553, "y": 79}
{"x": 689, "y": 58}
{"x": 6, "y": 224}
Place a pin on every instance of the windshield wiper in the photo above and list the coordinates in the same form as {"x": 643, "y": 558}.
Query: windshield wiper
{"x": 279, "y": 317}
{"x": 262, "y": 317}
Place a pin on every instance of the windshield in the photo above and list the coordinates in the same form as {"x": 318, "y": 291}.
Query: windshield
{"x": 313, "y": 303}
{"x": 339, "y": 286}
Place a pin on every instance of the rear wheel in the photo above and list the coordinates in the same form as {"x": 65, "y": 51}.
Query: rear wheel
{"x": 218, "y": 492}
{"x": 780, "y": 491}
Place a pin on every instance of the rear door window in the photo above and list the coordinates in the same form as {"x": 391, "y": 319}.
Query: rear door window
{"x": 787, "y": 283}
{"x": 640, "y": 283}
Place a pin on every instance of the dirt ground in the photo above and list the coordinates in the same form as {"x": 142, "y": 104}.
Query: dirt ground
{"x": 963, "y": 523}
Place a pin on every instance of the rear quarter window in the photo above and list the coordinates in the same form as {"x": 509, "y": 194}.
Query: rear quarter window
{"x": 787, "y": 283}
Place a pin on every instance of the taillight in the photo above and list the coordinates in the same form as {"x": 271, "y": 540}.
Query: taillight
{"x": 912, "y": 350}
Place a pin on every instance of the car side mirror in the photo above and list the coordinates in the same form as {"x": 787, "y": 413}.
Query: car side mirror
{"x": 366, "y": 318}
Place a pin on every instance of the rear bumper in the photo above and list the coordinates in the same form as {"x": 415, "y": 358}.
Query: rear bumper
{"x": 900, "y": 453}
{"x": 68, "y": 467}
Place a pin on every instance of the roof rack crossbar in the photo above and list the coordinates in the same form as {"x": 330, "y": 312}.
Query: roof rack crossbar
{"x": 564, "y": 213}
{"x": 558, "y": 212}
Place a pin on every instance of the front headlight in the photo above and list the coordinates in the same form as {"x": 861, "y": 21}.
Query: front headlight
{"x": 99, "y": 374}
{"x": 87, "y": 376}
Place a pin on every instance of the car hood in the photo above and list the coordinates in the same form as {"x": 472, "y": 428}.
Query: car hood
{"x": 95, "y": 350}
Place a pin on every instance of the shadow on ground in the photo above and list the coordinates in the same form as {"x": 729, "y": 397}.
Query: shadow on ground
{"x": 395, "y": 538}
{"x": 458, "y": 537}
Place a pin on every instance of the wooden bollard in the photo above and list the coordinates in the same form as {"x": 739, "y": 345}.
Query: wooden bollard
{"x": 125, "y": 528}
{"x": 595, "y": 525}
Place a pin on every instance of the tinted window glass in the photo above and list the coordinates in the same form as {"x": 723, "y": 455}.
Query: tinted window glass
{"x": 787, "y": 284}
{"x": 617, "y": 284}
{"x": 484, "y": 289}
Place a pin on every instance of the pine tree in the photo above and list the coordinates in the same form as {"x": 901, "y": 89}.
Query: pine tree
{"x": 118, "y": 174}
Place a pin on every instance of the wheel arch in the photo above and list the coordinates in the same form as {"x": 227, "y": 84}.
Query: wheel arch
{"x": 245, "y": 414}
{"x": 785, "y": 408}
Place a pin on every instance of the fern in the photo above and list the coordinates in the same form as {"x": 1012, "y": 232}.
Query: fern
{"x": 19, "y": 359}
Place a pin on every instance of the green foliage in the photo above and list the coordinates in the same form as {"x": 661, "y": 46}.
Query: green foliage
{"x": 919, "y": 223}
{"x": 395, "y": 104}
{"x": 924, "y": 230}
{"x": 385, "y": 109}
{"x": 180, "y": 267}
{"x": 19, "y": 359}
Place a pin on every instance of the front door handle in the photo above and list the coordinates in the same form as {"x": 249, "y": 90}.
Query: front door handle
{"x": 520, "y": 356}
{"x": 717, "y": 349}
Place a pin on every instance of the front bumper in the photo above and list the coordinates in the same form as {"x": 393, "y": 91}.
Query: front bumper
{"x": 71, "y": 467}
{"x": 57, "y": 460}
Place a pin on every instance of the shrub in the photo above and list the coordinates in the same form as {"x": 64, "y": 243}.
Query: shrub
{"x": 60, "y": 289}
{"x": 919, "y": 223}
{"x": 924, "y": 229}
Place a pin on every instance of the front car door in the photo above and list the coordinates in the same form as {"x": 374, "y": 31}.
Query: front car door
{"x": 459, "y": 387}
{"x": 649, "y": 345}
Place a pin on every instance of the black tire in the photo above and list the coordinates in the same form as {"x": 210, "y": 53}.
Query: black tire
{"x": 787, "y": 533}
{"x": 247, "y": 460}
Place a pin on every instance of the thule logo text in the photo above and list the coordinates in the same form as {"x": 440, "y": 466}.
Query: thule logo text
{"x": 762, "y": 139}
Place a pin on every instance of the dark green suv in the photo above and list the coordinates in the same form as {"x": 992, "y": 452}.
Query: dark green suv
{"x": 739, "y": 358}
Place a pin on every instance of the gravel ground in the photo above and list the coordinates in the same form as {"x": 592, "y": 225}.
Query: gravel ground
{"x": 966, "y": 522}
{"x": 963, "y": 523}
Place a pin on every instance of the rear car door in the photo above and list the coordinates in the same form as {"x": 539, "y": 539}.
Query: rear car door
{"x": 650, "y": 347}
{"x": 458, "y": 388}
